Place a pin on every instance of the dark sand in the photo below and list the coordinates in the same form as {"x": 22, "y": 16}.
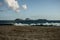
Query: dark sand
{"x": 29, "y": 33}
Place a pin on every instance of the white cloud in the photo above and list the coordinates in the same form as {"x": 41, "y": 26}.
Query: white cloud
{"x": 13, "y": 4}
{"x": 24, "y": 6}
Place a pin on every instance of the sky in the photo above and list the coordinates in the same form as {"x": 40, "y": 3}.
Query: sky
{"x": 36, "y": 9}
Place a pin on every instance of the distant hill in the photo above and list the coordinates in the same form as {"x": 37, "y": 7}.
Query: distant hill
{"x": 28, "y": 21}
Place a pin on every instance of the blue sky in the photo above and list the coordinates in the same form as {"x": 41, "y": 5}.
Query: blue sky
{"x": 37, "y": 9}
